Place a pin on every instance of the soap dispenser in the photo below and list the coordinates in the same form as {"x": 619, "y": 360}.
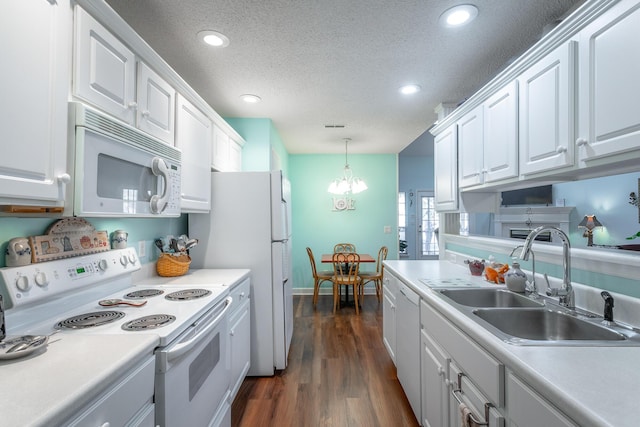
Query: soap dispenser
{"x": 515, "y": 279}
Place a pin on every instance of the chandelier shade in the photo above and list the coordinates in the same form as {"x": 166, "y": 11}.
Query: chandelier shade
{"x": 347, "y": 184}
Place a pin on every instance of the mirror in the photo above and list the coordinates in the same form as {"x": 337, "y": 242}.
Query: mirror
{"x": 609, "y": 198}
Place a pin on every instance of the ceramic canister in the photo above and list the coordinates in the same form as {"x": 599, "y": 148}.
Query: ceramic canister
{"x": 515, "y": 279}
{"x": 18, "y": 252}
{"x": 119, "y": 239}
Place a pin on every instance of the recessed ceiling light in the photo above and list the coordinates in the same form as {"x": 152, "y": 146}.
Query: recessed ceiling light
{"x": 250, "y": 99}
{"x": 458, "y": 15}
{"x": 214, "y": 38}
{"x": 410, "y": 89}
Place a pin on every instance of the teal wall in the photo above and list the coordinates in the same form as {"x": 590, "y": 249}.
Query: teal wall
{"x": 317, "y": 226}
{"x": 139, "y": 229}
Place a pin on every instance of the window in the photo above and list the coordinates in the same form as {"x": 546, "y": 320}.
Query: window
{"x": 402, "y": 222}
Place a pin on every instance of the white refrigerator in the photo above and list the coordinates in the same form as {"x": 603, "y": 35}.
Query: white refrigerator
{"x": 248, "y": 227}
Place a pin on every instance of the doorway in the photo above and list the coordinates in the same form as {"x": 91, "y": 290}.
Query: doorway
{"x": 428, "y": 226}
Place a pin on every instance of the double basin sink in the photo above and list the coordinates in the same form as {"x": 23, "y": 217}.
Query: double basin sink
{"x": 519, "y": 319}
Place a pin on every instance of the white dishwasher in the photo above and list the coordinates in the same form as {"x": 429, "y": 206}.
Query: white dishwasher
{"x": 408, "y": 345}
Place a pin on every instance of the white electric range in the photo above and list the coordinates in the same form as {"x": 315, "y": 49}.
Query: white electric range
{"x": 64, "y": 297}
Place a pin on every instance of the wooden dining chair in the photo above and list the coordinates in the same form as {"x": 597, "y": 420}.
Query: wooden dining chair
{"x": 345, "y": 273}
{"x": 319, "y": 276}
{"x": 375, "y": 276}
{"x": 344, "y": 248}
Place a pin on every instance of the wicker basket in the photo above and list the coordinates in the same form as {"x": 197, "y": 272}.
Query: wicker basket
{"x": 169, "y": 265}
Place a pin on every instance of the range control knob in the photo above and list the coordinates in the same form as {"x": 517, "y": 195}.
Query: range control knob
{"x": 41, "y": 279}
{"x": 124, "y": 260}
{"x": 22, "y": 283}
{"x": 132, "y": 259}
{"x": 103, "y": 265}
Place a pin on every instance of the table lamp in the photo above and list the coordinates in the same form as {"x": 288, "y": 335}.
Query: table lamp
{"x": 589, "y": 222}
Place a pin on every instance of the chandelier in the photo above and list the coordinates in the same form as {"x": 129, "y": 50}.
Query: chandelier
{"x": 347, "y": 184}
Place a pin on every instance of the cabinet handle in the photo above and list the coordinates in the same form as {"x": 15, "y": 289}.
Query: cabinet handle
{"x": 132, "y": 105}
{"x": 457, "y": 395}
{"x": 145, "y": 113}
{"x": 581, "y": 142}
{"x": 64, "y": 178}
{"x": 440, "y": 371}
{"x": 561, "y": 149}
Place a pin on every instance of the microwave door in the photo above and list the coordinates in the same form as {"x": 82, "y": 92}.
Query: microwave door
{"x": 114, "y": 178}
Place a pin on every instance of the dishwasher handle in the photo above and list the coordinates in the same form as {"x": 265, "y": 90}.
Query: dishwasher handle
{"x": 184, "y": 347}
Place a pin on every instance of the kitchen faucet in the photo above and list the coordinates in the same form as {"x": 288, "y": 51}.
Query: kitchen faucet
{"x": 533, "y": 288}
{"x": 565, "y": 293}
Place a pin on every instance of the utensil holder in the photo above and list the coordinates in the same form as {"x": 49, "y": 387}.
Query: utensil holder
{"x": 170, "y": 265}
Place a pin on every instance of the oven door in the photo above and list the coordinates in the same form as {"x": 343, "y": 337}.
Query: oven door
{"x": 193, "y": 374}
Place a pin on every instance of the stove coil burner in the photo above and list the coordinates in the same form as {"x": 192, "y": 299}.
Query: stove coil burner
{"x": 187, "y": 294}
{"x": 144, "y": 293}
{"x": 89, "y": 320}
{"x": 152, "y": 321}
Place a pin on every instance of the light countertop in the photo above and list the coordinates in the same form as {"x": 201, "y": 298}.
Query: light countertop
{"x": 595, "y": 386}
{"x": 49, "y": 386}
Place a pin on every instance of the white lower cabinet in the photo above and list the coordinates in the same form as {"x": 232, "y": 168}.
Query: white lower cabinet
{"x": 240, "y": 335}
{"x": 408, "y": 345}
{"x": 389, "y": 291}
{"x": 128, "y": 403}
{"x": 434, "y": 367}
{"x": 528, "y": 409}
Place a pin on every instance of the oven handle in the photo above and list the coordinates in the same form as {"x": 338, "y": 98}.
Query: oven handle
{"x": 184, "y": 347}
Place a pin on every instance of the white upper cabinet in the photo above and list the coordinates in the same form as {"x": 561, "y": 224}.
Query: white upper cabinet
{"x": 220, "y": 152}
{"x": 156, "y": 104}
{"x": 471, "y": 148}
{"x": 193, "y": 136}
{"x": 501, "y": 134}
{"x": 546, "y": 112}
{"x": 445, "y": 148}
{"x": 105, "y": 76}
{"x": 35, "y": 41}
{"x": 105, "y": 69}
{"x": 609, "y": 122}
{"x": 226, "y": 155}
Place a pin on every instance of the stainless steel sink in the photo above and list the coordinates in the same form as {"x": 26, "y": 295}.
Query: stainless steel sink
{"x": 542, "y": 324}
{"x": 488, "y": 297}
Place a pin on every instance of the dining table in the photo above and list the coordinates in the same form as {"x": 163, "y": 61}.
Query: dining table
{"x": 328, "y": 259}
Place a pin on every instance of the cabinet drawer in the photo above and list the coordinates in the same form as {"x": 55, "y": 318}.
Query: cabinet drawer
{"x": 464, "y": 390}
{"x": 486, "y": 371}
{"x": 123, "y": 401}
{"x": 240, "y": 293}
{"x": 528, "y": 409}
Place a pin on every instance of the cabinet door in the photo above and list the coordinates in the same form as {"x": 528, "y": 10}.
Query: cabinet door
{"x": 470, "y": 148}
{"x": 240, "y": 342}
{"x": 501, "y": 134}
{"x": 609, "y": 122}
{"x": 156, "y": 104}
{"x": 193, "y": 137}
{"x": 546, "y": 112}
{"x": 220, "y": 153}
{"x": 35, "y": 83}
{"x": 528, "y": 409}
{"x": 105, "y": 69}
{"x": 435, "y": 393}
{"x": 235, "y": 156}
{"x": 446, "y": 170}
{"x": 389, "y": 288}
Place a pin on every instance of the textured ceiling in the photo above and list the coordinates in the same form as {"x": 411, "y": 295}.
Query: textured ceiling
{"x": 320, "y": 62}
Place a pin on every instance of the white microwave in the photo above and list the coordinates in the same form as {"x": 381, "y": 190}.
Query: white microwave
{"x": 120, "y": 171}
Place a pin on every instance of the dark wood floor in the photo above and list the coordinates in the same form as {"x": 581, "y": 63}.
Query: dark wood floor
{"x": 339, "y": 374}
